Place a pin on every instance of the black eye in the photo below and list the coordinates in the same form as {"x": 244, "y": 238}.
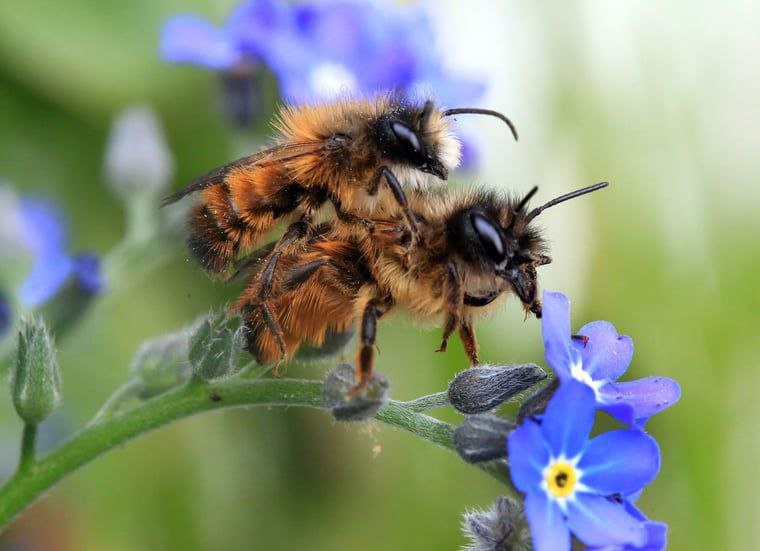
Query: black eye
{"x": 490, "y": 236}
{"x": 407, "y": 138}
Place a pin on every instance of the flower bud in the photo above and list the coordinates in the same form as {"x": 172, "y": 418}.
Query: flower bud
{"x": 482, "y": 438}
{"x": 334, "y": 344}
{"x": 161, "y": 364}
{"x": 536, "y": 403}
{"x": 483, "y": 388}
{"x": 345, "y": 407}
{"x": 215, "y": 347}
{"x": 137, "y": 157}
{"x": 35, "y": 380}
{"x": 501, "y": 527}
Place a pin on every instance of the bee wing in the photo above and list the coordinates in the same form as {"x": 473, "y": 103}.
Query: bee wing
{"x": 278, "y": 153}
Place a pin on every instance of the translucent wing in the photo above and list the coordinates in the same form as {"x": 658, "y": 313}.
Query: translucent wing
{"x": 278, "y": 153}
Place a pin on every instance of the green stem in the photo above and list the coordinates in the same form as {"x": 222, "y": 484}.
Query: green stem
{"x": 112, "y": 431}
{"x": 431, "y": 401}
{"x": 28, "y": 447}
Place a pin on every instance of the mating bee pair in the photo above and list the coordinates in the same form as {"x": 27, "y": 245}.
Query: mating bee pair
{"x": 396, "y": 240}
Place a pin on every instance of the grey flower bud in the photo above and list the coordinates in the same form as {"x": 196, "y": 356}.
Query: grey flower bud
{"x": 536, "y": 403}
{"x": 482, "y": 438}
{"x": 215, "y": 347}
{"x": 483, "y": 388}
{"x": 161, "y": 364}
{"x": 35, "y": 379}
{"x": 137, "y": 157}
{"x": 500, "y": 528}
{"x": 337, "y": 396}
{"x": 334, "y": 344}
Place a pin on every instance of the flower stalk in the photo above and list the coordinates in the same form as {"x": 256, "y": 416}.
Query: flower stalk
{"x": 98, "y": 437}
{"x": 28, "y": 446}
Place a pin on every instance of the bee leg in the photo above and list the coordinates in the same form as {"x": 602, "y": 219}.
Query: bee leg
{"x": 365, "y": 360}
{"x": 455, "y": 302}
{"x": 297, "y": 230}
{"x": 400, "y": 197}
{"x": 274, "y": 328}
{"x": 470, "y": 342}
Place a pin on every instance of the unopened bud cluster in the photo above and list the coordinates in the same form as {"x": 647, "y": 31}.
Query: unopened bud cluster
{"x": 215, "y": 347}
{"x": 161, "y": 364}
{"x": 484, "y": 388}
{"x": 35, "y": 379}
{"x": 500, "y": 528}
{"x": 345, "y": 404}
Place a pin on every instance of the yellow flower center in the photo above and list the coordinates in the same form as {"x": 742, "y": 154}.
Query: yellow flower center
{"x": 561, "y": 478}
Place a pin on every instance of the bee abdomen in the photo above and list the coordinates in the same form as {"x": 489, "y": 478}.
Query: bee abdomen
{"x": 209, "y": 242}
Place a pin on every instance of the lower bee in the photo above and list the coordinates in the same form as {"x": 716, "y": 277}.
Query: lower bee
{"x": 362, "y": 156}
{"x": 479, "y": 247}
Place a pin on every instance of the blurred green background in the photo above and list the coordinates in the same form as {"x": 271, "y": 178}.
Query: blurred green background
{"x": 661, "y": 100}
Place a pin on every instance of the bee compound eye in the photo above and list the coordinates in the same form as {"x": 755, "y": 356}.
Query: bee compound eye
{"x": 407, "y": 138}
{"x": 490, "y": 236}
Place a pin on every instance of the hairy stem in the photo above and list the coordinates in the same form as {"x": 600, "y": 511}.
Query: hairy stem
{"x": 28, "y": 447}
{"x": 112, "y": 431}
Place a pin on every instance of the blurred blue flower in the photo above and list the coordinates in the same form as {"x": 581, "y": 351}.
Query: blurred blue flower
{"x": 319, "y": 50}
{"x": 569, "y": 481}
{"x": 44, "y": 236}
{"x": 5, "y": 315}
{"x": 35, "y": 228}
{"x": 597, "y": 356}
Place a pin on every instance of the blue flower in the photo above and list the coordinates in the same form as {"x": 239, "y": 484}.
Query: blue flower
{"x": 42, "y": 235}
{"x": 254, "y": 32}
{"x": 597, "y": 357}
{"x": 569, "y": 481}
{"x": 5, "y": 315}
{"x": 319, "y": 50}
{"x": 657, "y": 533}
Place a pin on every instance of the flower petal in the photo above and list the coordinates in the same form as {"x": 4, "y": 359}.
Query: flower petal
{"x": 596, "y": 520}
{"x": 5, "y": 315}
{"x": 619, "y": 462}
{"x": 191, "y": 39}
{"x": 555, "y": 328}
{"x": 528, "y": 456}
{"x": 569, "y": 418}
{"x": 645, "y": 396}
{"x": 657, "y": 532}
{"x": 547, "y": 527}
{"x": 88, "y": 274}
{"x": 261, "y": 28}
{"x": 606, "y": 355}
{"x": 49, "y": 272}
{"x": 657, "y": 536}
{"x": 42, "y": 227}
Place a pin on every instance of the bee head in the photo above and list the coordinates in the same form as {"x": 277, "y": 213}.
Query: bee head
{"x": 508, "y": 243}
{"x": 404, "y": 137}
{"x": 420, "y": 136}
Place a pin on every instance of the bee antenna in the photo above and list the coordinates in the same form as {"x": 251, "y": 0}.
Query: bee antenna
{"x": 566, "y": 197}
{"x": 524, "y": 200}
{"x": 478, "y": 111}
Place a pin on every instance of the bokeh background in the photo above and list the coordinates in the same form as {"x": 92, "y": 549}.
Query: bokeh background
{"x": 658, "y": 98}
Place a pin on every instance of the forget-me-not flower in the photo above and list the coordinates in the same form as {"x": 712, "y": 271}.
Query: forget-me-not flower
{"x": 322, "y": 49}
{"x": 597, "y": 356}
{"x": 569, "y": 481}
{"x": 34, "y": 229}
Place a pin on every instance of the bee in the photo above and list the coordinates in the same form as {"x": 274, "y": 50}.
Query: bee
{"x": 336, "y": 153}
{"x": 480, "y": 247}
